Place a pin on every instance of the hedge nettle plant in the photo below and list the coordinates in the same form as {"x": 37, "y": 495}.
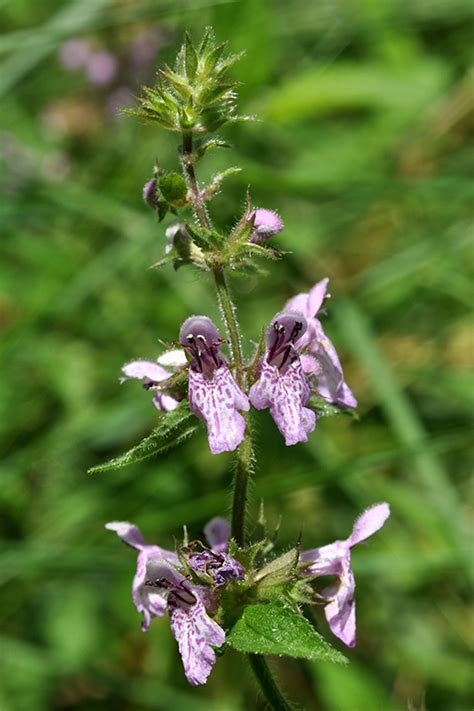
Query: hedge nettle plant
{"x": 233, "y": 589}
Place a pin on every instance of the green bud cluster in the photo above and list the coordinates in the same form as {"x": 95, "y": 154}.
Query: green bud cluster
{"x": 197, "y": 94}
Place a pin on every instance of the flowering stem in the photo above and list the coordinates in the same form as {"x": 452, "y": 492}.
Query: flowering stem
{"x": 244, "y": 462}
{"x": 228, "y": 310}
{"x": 188, "y": 168}
{"x": 243, "y": 469}
{"x": 272, "y": 693}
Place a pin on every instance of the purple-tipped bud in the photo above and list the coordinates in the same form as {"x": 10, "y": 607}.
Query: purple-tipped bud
{"x": 282, "y": 334}
{"x": 201, "y": 339}
{"x": 266, "y": 224}
{"x": 149, "y": 193}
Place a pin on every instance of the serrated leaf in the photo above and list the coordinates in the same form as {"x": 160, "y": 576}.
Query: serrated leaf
{"x": 173, "y": 429}
{"x": 277, "y": 629}
{"x": 174, "y": 189}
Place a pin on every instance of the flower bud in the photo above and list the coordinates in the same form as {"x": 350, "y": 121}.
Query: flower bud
{"x": 266, "y": 224}
{"x": 149, "y": 193}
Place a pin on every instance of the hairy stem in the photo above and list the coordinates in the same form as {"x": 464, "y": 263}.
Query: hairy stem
{"x": 243, "y": 470}
{"x": 228, "y": 310}
{"x": 188, "y": 168}
{"x": 269, "y": 687}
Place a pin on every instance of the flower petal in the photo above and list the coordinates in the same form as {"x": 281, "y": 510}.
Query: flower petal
{"x": 340, "y": 610}
{"x": 217, "y": 533}
{"x": 369, "y": 522}
{"x": 196, "y": 635}
{"x": 130, "y": 534}
{"x": 285, "y": 394}
{"x": 327, "y": 560}
{"x": 316, "y": 296}
{"x": 147, "y": 600}
{"x": 331, "y": 380}
{"x": 310, "y": 365}
{"x": 164, "y": 403}
{"x": 173, "y": 359}
{"x": 216, "y": 401}
{"x": 142, "y": 369}
{"x": 298, "y": 303}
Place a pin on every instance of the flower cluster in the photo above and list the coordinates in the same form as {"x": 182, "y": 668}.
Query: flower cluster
{"x": 299, "y": 361}
{"x": 160, "y": 585}
{"x": 189, "y": 585}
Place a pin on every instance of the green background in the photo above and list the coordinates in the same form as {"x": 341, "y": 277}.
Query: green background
{"x": 363, "y": 148}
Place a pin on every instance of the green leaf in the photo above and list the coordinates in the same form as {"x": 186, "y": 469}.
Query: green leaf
{"x": 174, "y": 428}
{"x": 326, "y": 409}
{"x": 277, "y": 629}
{"x": 174, "y": 189}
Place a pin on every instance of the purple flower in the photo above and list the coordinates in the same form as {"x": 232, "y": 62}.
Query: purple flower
{"x": 266, "y": 224}
{"x": 215, "y": 561}
{"x": 321, "y": 360}
{"x": 220, "y": 566}
{"x": 152, "y": 374}
{"x": 195, "y": 632}
{"x": 217, "y": 532}
{"x": 214, "y": 396}
{"x": 148, "y": 601}
{"x": 282, "y": 383}
{"x": 160, "y": 586}
{"x": 335, "y": 559}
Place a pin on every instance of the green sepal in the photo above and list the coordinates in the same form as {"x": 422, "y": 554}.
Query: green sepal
{"x": 191, "y": 58}
{"x": 276, "y": 577}
{"x": 248, "y": 556}
{"x": 205, "y": 239}
{"x": 174, "y": 428}
{"x": 278, "y": 629}
{"x": 162, "y": 210}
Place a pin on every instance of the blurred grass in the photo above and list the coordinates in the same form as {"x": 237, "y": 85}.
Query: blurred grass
{"x": 365, "y": 148}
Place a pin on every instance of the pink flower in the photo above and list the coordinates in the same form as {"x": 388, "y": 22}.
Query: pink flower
{"x": 282, "y": 385}
{"x": 213, "y": 394}
{"x": 159, "y": 586}
{"x": 320, "y": 359}
{"x": 335, "y": 559}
